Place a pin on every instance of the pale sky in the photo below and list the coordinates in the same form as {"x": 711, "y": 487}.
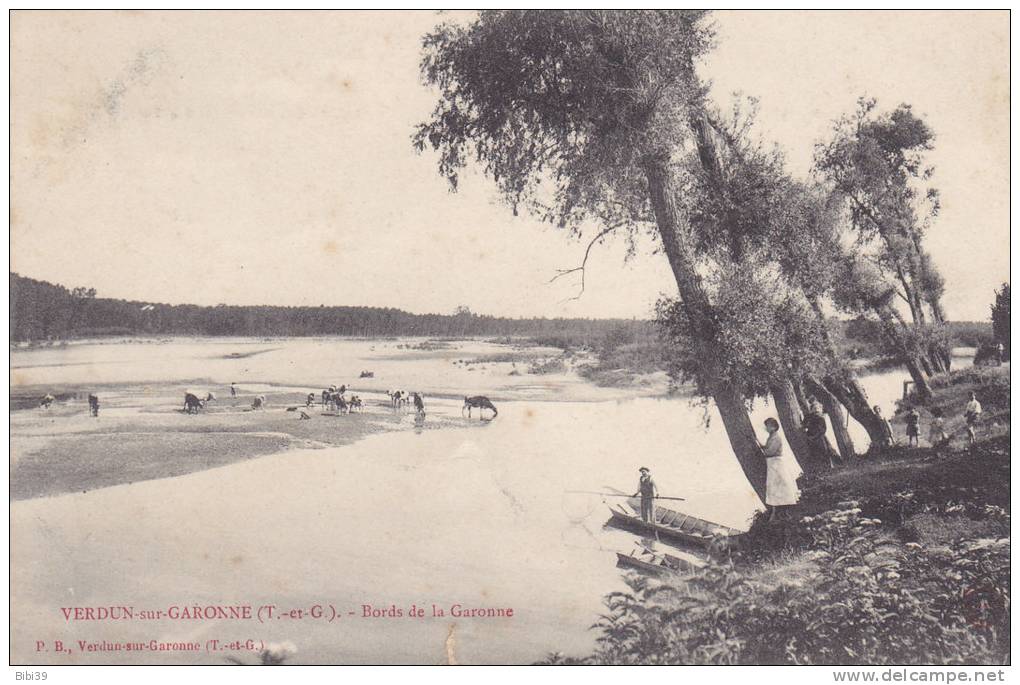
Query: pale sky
{"x": 265, "y": 158}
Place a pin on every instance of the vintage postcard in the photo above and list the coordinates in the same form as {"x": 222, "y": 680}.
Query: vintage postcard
{"x": 510, "y": 337}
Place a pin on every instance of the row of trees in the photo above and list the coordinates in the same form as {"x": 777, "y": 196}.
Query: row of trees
{"x": 599, "y": 123}
{"x": 43, "y": 311}
{"x": 1000, "y": 319}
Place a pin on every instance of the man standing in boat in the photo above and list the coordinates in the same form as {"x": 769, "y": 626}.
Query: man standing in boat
{"x": 648, "y": 492}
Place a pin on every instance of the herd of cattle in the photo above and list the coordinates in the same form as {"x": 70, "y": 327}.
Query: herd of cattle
{"x": 335, "y": 399}
{"x": 332, "y": 399}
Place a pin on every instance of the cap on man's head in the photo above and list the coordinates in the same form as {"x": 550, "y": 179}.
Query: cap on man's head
{"x": 644, "y": 469}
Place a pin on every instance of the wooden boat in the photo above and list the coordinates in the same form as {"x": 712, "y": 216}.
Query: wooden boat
{"x": 650, "y": 567}
{"x": 670, "y": 525}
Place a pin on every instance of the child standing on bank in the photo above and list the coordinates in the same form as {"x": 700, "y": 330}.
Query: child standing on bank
{"x": 937, "y": 436}
{"x": 913, "y": 427}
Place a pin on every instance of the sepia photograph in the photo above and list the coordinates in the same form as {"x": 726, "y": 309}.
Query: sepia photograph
{"x": 510, "y": 337}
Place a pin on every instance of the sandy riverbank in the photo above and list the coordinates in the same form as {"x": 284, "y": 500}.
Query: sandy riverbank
{"x": 142, "y": 433}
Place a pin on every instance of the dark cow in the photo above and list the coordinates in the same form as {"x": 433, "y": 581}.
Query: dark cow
{"x": 310, "y": 400}
{"x": 46, "y": 401}
{"x": 339, "y": 403}
{"x": 481, "y": 402}
{"x": 398, "y": 398}
{"x": 93, "y": 405}
{"x": 355, "y": 403}
{"x": 192, "y": 405}
{"x": 259, "y": 402}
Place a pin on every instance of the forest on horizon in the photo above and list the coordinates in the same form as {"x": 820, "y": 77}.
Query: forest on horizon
{"x": 44, "y": 311}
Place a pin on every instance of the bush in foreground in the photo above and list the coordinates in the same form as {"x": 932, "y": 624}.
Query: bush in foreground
{"x": 855, "y": 595}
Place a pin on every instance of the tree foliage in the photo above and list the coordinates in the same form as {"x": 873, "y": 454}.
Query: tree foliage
{"x": 770, "y": 244}
{"x": 560, "y": 108}
{"x": 1000, "y": 318}
{"x": 876, "y": 163}
{"x": 767, "y": 332}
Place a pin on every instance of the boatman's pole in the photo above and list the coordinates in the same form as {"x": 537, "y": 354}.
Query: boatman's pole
{"x": 614, "y": 494}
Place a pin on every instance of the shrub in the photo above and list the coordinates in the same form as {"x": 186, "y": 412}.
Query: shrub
{"x": 547, "y": 366}
{"x": 853, "y": 596}
{"x": 987, "y": 354}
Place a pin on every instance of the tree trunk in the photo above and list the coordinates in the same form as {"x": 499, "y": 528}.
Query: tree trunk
{"x": 926, "y": 366}
{"x": 851, "y": 395}
{"x": 743, "y": 440}
{"x": 790, "y": 418}
{"x": 834, "y": 408}
{"x": 910, "y": 358}
{"x": 941, "y": 357}
{"x": 802, "y": 400}
{"x": 913, "y": 301}
{"x": 679, "y": 252}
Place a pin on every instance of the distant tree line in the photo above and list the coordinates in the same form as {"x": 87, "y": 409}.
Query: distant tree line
{"x": 44, "y": 311}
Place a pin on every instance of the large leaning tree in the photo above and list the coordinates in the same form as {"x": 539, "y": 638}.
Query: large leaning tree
{"x": 751, "y": 216}
{"x": 591, "y": 120}
{"x": 876, "y": 164}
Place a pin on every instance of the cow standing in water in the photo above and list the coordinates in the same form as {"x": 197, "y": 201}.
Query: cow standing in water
{"x": 46, "y": 401}
{"x": 310, "y": 400}
{"x": 481, "y": 402}
{"x": 192, "y": 405}
{"x": 93, "y": 405}
{"x": 340, "y": 403}
{"x": 259, "y": 402}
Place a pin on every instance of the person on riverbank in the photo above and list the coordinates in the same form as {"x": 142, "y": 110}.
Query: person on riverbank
{"x": 913, "y": 420}
{"x": 937, "y": 436}
{"x": 780, "y": 480}
{"x": 972, "y": 415}
{"x": 814, "y": 428}
{"x": 887, "y": 432}
{"x": 648, "y": 492}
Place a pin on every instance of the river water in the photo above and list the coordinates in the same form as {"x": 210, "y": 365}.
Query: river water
{"x": 482, "y": 516}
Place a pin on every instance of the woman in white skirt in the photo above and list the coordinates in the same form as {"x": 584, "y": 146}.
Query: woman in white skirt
{"x": 781, "y": 476}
